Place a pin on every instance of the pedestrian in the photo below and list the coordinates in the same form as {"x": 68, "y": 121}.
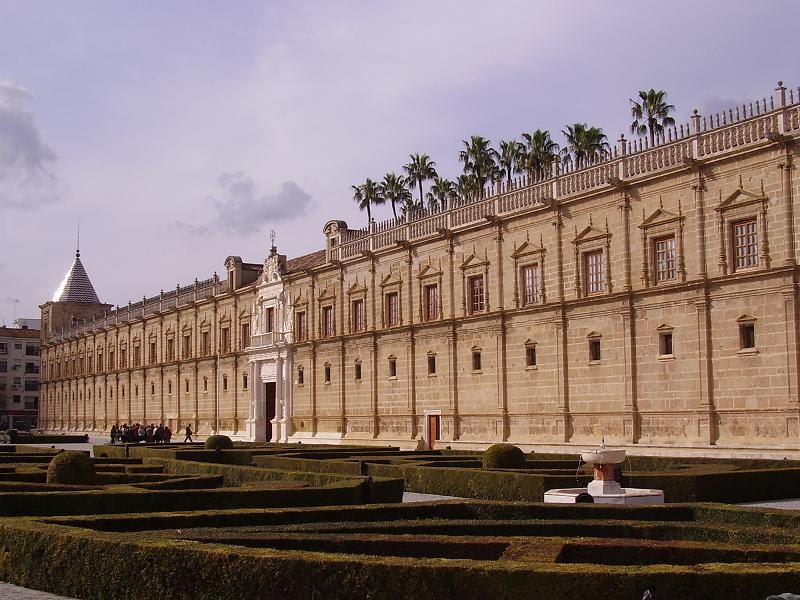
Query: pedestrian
{"x": 114, "y": 432}
{"x": 167, "y": 434}
{"x": 188, "y": 437}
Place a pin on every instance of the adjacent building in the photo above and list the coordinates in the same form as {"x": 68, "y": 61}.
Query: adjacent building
{"x": 650, "y": 298}
{"x": 19, "y": 375}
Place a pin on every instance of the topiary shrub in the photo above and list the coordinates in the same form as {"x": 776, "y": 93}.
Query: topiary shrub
{"x": 71, "y": 467}
{"x": 218, "y": 442}
{"x": 503, "y": 456}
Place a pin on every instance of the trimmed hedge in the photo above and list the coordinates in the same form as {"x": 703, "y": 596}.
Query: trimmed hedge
{"x": 376, "y": 489}
{"x": 86, "y": 563}
{"x": 73, "y": 468}
{"x": 218, "y": 442}
{"x": 503, "y": 456}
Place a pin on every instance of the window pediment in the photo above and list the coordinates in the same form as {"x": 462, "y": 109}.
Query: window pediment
{"x": 745, "y": 318}
{"x": 391, "y": 280}
{"x": 661, "y": 217}
{"x": 594, "y": 335}
{"x": 473, "y": 261}
{"x": 357, "y": 289}
{"x": 528, "y": 249}
{"x": 590, "y": 233}
{"x": 327, "y": 295}
{"x": 741, "y": 198}
{"x": 429, "y": 271}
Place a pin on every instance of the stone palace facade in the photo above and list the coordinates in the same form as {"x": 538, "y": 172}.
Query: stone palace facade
{"x": 651, "y": 298}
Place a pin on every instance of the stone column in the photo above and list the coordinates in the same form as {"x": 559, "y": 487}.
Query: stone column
{"x": 706, "y": 430}
{"x": 625, "y": 209}
{"x": 631, "y": 422}
{"x": 788, "y": 216}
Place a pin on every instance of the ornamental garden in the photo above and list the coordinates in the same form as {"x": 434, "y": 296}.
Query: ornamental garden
{"x": 247, "y": 520}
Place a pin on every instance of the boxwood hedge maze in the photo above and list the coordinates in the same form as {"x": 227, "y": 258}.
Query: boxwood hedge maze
{"x": 262, "y": 521}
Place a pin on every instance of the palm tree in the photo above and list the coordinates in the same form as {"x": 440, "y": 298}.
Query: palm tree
{"x": 441, "y": 190}
{"x": 584, "y": 144}
{"x": 419, "y": 169}
{"x": 393, "y": 189}
{"x": 367, "y": 195}
{"x": 539, "y": 153}
{"x": 480, "y": 160}
{"x": 466, "y": 187}
{"x": 509, "y": 158}
{"x": 410, "y": 206}
{"x": 651, "y": 115}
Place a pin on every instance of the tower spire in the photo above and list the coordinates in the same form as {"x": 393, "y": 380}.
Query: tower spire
{"x": 78, "y": 246}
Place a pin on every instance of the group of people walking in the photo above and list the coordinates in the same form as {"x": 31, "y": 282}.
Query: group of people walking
{"x": 150, "y": 434}
{"x": 134, "y": 434}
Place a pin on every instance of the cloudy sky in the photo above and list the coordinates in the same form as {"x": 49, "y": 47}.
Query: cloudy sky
{"x": 180, "y": 132}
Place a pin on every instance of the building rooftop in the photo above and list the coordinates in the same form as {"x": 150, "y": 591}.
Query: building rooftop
{"x": 307, "y": 261}
{"x": 76, "y": 286}
{"x": 13, "y": 332}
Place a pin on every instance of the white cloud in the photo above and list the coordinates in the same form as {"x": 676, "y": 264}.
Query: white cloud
{"x": 27, "y": 178}
{"x": 242, "y": 208}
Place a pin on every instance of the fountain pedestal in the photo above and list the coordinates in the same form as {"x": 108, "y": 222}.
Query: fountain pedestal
{"x": 604, "y": 489}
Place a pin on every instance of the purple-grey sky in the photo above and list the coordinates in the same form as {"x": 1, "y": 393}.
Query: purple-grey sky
{"x": 179, "y": 133}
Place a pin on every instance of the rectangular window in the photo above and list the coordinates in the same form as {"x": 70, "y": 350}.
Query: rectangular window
{"x": 245, "y": 335}
{"x": 226, "y": 339}
{"x": 665, "y": 343}
{"x": 392, "y": 310}
{"x": 205, "y": 340}
{"x": 327, "y": 321}
{"x": 530, "y": 285}
{"x": 186, "y": 343}
{"x": 594, "y": 350}
{"x": 153, "y": 357}
{"x": 205, "y": 384}
{"x": 431, "y": 364}
{"x": 31, "y": 350}
{"x": 224, "y": 383}
{"x": 3, "y": 366}
{"x": 301, "y": 328}
{"x": 170, "y": 350}
{"x": 431, "y": 302}
{"x": 123, "y": 358}
{"x": 664, "y": 251}
{"x": 244, "y": 381}
{"x": 595, "y": 271}
{"x": 3, "y": 348}
{"x": 357, "y": 369}
{"x": 745, "y": 243}
{"x": 111, "y": 365}
{"x": 530, "y": 355}
{"x": 747, "y": 336}
{"x": 270, "y": 319}
{"x": 392, "y": 366}
{"x": 475, "y": 291}
{"x": 476, "y": 360}
{"x": 185, "y": 387}
{"x": 137, "y": 357}
{"x": 359, "y": 321}
{"x": 300, "y": 376}
{"x": 327, "y": 373}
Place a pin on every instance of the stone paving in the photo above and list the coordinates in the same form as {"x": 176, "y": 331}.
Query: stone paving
{"x": 9, "y": 591}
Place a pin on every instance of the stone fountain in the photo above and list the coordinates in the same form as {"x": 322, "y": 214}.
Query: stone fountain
{"x": 604, "y": 489}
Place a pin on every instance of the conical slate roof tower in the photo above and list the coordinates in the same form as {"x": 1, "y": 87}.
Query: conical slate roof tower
{"x": 76, "y": 286}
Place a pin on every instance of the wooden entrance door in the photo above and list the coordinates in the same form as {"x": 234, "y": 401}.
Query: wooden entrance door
{"x": 269, "y": 395}
{"x": 433, "y": 430}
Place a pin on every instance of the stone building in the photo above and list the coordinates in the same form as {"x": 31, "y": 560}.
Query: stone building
{"x": 19, "y": 375}
{"x": 650, "y": 298}
{"x": 175, "y": 358}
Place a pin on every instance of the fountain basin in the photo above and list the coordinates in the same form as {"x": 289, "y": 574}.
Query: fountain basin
{"x": 624, "y": 496}
{"x": 603, "y": 456}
